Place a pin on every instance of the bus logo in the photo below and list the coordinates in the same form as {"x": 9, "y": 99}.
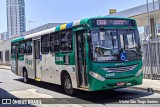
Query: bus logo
{"x": 27, "y": 61}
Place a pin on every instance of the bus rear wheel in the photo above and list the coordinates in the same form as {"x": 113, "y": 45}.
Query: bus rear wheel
{"x": 25, "y": 76}
{"x": 67, "y": 84}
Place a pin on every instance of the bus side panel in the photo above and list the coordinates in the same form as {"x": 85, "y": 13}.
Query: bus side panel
{"x": 59, "y": 58}
{"x": 52, "y": 67}
{"x": 71, "y": 71}
{"x": 21, "y": 64}
{"x": 13, "y": 65}
{"x": 29, "y": 65}
{"x": 47, "y": 68}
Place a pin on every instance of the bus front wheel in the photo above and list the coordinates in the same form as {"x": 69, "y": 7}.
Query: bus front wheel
{"x": 67, "y": 84}
{"x": 25, "y": 76}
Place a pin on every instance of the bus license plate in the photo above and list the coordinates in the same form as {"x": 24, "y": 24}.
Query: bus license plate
{"x": 121, "y": 83}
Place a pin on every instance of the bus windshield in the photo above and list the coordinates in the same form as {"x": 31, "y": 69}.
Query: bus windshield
{"x": 106, "y": 45}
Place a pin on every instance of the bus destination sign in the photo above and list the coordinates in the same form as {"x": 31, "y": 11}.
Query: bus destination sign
{"x": 112, "y": 22}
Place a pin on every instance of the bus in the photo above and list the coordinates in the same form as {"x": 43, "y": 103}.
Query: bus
{"x": 90, "y": 54}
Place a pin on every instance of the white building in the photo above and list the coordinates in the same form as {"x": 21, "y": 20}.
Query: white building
{"x": 3, "y": 36}
{"x": 15, "y": 17}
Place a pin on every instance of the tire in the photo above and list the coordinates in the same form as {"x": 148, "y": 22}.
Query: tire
{"x": 25, "y": 76}
{"x": 67, "y": 84}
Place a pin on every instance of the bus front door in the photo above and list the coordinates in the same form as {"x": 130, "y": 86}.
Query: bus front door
{"x": 80, "y": 55}
{"x": 37, "y": 59}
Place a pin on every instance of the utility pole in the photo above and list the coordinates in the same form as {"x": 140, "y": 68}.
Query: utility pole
{"x": 149, "y": 52}
{"x": 155, "y": 20}
{"x": 159, "y": 4}
{"x": 149, "y": 23}
{"x": 29, "y": 24}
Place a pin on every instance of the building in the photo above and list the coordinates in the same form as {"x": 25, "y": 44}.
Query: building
{"x": 15, "y": 17}
{"x": 3, "y": 36}
{"x": 41, "y": 28}
{"x": 5, "y": 46}
{"x": 140, "y": 14}
{"x": 5, "y": 52}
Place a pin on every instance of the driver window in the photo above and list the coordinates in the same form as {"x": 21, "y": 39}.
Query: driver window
{"x": 130, "y": 41}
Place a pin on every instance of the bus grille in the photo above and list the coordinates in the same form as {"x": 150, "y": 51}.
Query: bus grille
{"x": 121, "y": 69}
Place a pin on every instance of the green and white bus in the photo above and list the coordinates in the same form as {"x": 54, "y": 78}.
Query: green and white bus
{"x": 91, "y": 54}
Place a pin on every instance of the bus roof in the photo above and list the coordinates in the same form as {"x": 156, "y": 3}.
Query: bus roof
{"x": 61, "y": 27}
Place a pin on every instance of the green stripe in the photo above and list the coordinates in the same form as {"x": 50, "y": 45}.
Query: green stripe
{"x": 83, "y": 21}
{"x": 57, "y": 28}
{"x": 17, "y": 39}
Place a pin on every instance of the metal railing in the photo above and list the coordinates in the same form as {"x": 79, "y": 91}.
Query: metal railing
{"x": 151, "y": 59}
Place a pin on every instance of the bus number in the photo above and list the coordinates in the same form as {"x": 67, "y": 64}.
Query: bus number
{"x": 59, "y": 59}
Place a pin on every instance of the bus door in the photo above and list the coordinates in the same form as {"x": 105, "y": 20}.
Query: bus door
{"x": 80, "y": 55}
{"x": 36, "y": 59}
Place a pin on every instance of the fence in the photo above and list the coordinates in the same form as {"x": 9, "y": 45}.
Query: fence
{"x": 151, "y": 59}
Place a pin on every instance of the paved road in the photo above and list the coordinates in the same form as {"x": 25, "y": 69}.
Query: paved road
{"x": 12, "y": 86}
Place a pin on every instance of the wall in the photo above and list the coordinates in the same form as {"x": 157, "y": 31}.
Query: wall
{"x": 5, "y": 46}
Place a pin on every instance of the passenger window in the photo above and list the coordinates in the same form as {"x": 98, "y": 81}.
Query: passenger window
{"x": 29, "y": 47}
{"x": 13, "y": 49}
{"x": 66, "y": 41}
{"x": 45, "y": 44}
{"x": 54, "y": 43}
{"x": 22, "y": 48}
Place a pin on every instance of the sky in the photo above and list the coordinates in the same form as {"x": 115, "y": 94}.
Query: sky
{"x": 64, "y": 11}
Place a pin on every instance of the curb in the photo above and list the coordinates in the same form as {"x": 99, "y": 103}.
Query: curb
{"x": 151, "y": 90}
{"x": 5, "y": 68}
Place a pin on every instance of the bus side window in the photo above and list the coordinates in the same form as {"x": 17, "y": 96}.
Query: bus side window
{"x": 66, "y": 41}
{"x": 45, "y": 44}
{"x": 13, "y": 49}
{"x": 54, "y": 42}
{"x": 22, "y": 47}
{"x": 28, "y": 47}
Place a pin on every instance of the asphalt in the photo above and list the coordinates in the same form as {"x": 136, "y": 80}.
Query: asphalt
{"x": 148, "y": 84}
{"x": 12, "y": 86}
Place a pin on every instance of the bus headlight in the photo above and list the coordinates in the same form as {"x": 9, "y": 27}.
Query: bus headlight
{"x": 97, "y": 76}
{"x": 139, "y": 73}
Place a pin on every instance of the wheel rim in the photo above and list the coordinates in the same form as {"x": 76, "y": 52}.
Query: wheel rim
{"x": 68, "y": 85}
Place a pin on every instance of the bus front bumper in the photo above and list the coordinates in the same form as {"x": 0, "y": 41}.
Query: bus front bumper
{"x": 96, "y": 85}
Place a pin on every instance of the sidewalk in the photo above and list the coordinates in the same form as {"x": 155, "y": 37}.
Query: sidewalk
{"x": 5, "y": 67}
{"x": 148, "y": 83}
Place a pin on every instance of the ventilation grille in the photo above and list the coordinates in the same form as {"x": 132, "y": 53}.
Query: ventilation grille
{"x": 121, "y": 69}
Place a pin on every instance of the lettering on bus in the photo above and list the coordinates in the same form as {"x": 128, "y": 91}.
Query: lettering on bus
{"x": 110, "y": 75}
{"x": 120, "y": 64}
{"x": 112, "y": 22}
{"x": 28, "y": 62}
{"x": 59, "y": 59}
